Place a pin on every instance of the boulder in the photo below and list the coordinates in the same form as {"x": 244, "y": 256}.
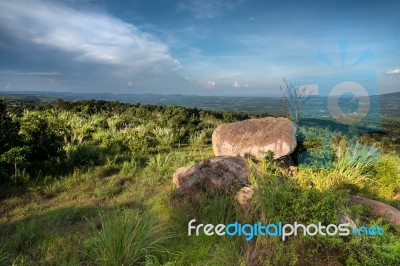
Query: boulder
{"x": 254, "y": 137}
{"x": 220, "y": 173}
{"x": 378, "y": 209}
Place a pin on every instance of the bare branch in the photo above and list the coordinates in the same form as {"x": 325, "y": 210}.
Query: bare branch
{"x": 296, "y": 95}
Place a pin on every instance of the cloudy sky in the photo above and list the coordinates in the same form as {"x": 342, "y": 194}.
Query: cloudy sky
{"x": 197, "y": 47}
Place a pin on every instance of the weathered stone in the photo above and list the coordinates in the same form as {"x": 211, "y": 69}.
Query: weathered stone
{"x": 254, "y": 137}
{"x": 378, "y": 209}
{"x": 220, "y": 173}
{"x": 243, "y": 197}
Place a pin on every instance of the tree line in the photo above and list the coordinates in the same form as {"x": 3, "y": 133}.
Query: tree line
{"x": 49, "y": 139}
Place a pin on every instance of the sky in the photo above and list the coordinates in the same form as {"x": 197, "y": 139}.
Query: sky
{"x": 194, "y": 47}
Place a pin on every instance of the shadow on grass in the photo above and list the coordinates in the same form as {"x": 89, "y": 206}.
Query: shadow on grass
{"x": 56, "y": 236}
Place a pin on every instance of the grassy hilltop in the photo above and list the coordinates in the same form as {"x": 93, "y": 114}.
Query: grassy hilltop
{"x": 89, "y": 183}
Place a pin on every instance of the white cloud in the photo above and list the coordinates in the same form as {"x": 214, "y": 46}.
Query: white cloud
{"x": 210, "y": 84}
{"x": 12, "y": 73}
{"x": 130, "y": 84}
{"x": 203, "y": 9}
{"x": 89, "y": 36}
{"x": 393, "y": 71}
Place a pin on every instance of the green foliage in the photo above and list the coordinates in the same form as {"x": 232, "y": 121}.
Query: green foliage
{"x": 121, "y": 155}
{"x": 357, "y": 153}
{"x": 38, "y": 135}
{"x": 164, "y": 136}
{"x": 4, "y": 256}
{"x": 315, "y": 147}
{"x": 83, "y": 154}
{"x": 27, "y": 235}
{"x": 218, "y": 209}
{"x": 128, "y": 238}
{"x": 198, "y": 138}
{"x": 386, "y": 172}
{"x": 161, "y": 163}
{"x": 130, "y": 167}
{"x": 139, "y": 138}
{"x": 8, "y": 129}
{"x": 364, "y": 250}
{"x": 16, "y": 156}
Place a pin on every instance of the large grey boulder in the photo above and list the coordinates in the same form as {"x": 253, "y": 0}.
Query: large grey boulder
{"x": 220, "y": 173}
{"x": 254, "y": 137}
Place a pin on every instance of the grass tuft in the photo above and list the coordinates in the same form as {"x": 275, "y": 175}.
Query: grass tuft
{"x": 128, "y": 238}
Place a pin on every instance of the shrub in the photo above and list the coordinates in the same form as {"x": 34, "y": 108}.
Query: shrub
{"x": 198, "y": 139}
{"x": 164, "y": 137}
{"x": 83, "y": 154}
{"x": 387, "y": 175}
{"x": 315, "y": 147}
{"x": 38, "y": 135}
{"x": 8, "y": 129}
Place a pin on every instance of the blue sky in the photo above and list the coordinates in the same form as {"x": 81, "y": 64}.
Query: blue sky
{"x": 196, "y": 47}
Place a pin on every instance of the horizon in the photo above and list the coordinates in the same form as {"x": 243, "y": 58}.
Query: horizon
{"x": 194, "y": 48}
{"x": 277, "y": 95}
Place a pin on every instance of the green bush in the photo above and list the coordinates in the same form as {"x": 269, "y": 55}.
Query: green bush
{"x": 83, "y": 154}
{"x": 315, "y": 147}
{"x": 388, "y": 176}
{"x": 37, "y": 134}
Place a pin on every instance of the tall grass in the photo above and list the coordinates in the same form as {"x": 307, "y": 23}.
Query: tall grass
{"x": 356, "y": 165}
{"x": 128, "y": 238}
{"x": 3, "y": 255}
{"x": 161, "y": 163}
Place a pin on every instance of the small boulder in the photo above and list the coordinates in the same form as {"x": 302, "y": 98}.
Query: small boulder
{"x": 243, "y": 197}
{"x": 220, "y": 173}
{"x": 254, "y": 137}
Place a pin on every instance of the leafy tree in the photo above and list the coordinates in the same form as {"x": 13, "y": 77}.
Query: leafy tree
{"x": 16, "y": 156}
{"x": 8, "y": 129}
{"x": 39, "y": 136}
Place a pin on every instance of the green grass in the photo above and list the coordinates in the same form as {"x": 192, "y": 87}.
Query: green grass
{"x": 116, "y": 213}
{"x": 127, "y": 238}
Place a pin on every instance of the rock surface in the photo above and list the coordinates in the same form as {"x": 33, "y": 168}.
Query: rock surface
{"x": 220, "y": 173}
{"x": 243, "y": 197}
{"x": 378, "y": 209}
{"x": 254, "y": 137}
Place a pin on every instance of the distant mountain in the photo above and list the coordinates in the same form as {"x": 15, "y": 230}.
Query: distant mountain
{"x": 389, "y": 103}
{"x": 390, "y": 98}
{"x": 272, "y": 105}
